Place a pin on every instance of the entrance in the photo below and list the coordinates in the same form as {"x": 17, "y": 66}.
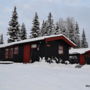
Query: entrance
{"x": 27, "y": 53}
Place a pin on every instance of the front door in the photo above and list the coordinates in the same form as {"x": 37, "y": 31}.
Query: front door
{"x": 27, "y": 53}
{"x": 82, "y": 59}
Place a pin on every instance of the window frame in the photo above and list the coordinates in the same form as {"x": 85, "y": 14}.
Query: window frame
{"x": 11, "y": 53}
{"x": 60, "y": 50}
{"x": 6, "y": 53}
{"x": 33, "y": 46}
{"x": 16, "y": 50}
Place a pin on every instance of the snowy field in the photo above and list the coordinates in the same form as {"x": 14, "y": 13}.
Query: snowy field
{"x": 44, "y": 76}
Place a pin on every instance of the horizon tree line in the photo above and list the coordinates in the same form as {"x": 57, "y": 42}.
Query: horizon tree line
{"x": 68, "y": 27}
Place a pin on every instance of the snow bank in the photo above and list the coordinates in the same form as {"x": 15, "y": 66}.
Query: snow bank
{"x": 6, "y": 62}
{"x": 44, "y": 76}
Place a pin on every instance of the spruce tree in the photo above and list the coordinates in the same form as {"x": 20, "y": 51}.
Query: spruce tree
{"x": 23, "y": 33}
{"x": 35, "y": 31}
{"x": 77, "y": 35}
{"x": 1, "y": 39}
{"x": 50, "y": 25}
{"x": 62, "y": 27}
{"x": 13, "y": 30}
{"x": 44, "y": 28}
{"x": 57, "y": 29}
{"x": 84, "y": 43}
{"x": 71, "y": 29}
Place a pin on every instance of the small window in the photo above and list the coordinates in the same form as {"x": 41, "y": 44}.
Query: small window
{"x": 11, "y": 53}
{"x": 6, "y": 53}
{"x": 60, "y": 50}
{"x": 48, "y": 45}
{"x": 16, "y": 50}
{"x": 34, "y": 46}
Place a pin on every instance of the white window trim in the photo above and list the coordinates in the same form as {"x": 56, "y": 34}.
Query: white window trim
{"x": 60, "y": 50}
{"x": 34, "y": 46}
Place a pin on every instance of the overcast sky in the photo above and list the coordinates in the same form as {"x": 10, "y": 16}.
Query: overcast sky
{"x": 79, "y": 9}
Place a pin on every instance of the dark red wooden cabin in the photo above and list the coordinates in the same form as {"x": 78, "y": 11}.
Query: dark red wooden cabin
{"x": 82, "y": 55}
{"x": 50, "y": 47}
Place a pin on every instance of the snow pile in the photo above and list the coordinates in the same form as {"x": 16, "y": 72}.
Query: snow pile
{"x": 44, "y": 76}
{"x": 6, "y": 62}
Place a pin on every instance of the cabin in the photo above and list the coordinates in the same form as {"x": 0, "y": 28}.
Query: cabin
{"x": 81, "y": 56}
{"x": 27, "y": 51}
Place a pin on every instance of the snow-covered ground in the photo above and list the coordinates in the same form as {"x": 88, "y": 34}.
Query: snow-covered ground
{"x": 44, "y": 76}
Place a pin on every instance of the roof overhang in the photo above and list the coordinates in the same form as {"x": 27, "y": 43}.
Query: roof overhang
{"x": 46, "y": 38}
{"x": 62, "y": 37}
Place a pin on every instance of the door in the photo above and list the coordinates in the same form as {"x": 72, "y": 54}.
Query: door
{"x": 82, "y": 59}
{"x": 27, "y": 53}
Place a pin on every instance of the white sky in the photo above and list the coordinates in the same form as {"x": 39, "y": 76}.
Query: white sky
{"x": 79, "y": 9}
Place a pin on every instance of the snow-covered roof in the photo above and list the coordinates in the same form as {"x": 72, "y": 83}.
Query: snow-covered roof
{"x": 20, "y": 42}
{"x": 78, "y": 51}
{"x": 35, "y": 39}
{"x": 61, "y": 35}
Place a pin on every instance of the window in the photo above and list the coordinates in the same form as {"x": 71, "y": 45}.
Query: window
{"x": 34, "y": 46}
{"x": 6, "y": 53}
{"x": 16, "y": 50}
{"x": 48, "y": 45}
{"x": 11, "y": 53}
{"x": 60, "y": 50}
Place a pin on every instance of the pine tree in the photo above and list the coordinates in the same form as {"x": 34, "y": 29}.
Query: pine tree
{"x": 35, "y": 31}
{"x": 1, "y": 39}
{"x": 84, "y": 43}
{"x": 23, "y": 32}
{"x": 57, "y": 29}
{"x": 43, "y": 29}
{"x": 13, "y": 30}
{"x": 71, "y": 29}
{"x": 77, "y": 35}
{"x": 50, "y": 25}
{"x": 62, "y": 27}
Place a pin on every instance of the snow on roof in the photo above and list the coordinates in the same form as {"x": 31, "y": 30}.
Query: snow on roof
{"x": 59, "y": 36}
{"x": 34, "y": 39}
{"x": 20, "y": 42}
{"x": 78, "y": 51}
